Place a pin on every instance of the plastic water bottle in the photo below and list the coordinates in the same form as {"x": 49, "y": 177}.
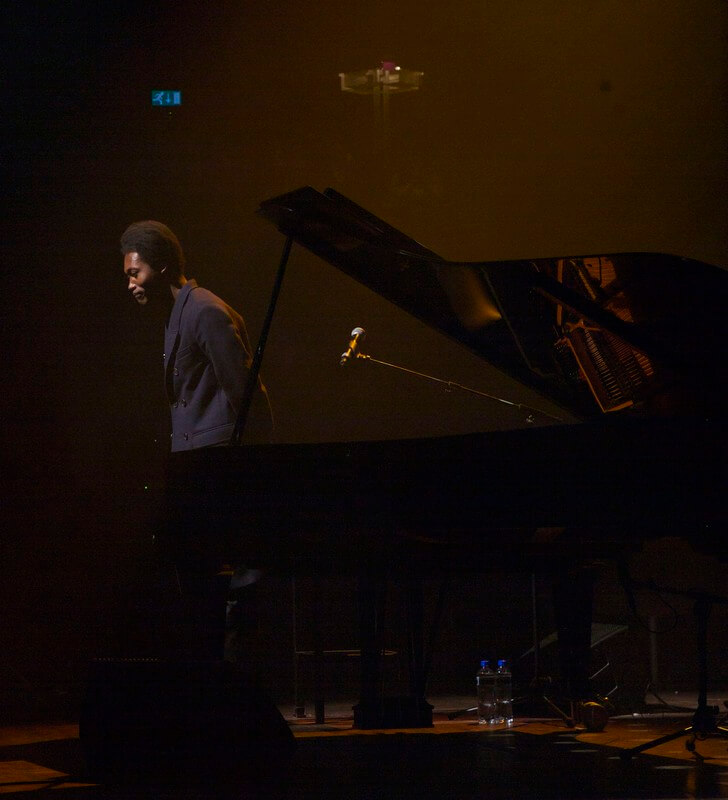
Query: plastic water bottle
{"x": 485, "y": 682}
{"x": 504, "y": 693}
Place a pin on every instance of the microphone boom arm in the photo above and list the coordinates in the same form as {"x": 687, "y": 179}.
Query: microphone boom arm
{"x": 450, "y": 385}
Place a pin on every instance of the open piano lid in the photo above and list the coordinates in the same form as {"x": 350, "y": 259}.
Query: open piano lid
{"x": 610, "y": 332}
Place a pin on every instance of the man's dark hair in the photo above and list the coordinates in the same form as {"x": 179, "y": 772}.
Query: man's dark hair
{"x": 157, "y": 245}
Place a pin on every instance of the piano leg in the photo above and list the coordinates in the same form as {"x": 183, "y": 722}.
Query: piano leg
{"x": 375, "y": 710}
{"x": 371, "y": 592}
{"x": 318, "y": 652}
{"x": 415, "y": 640}
{"x": 573, "y": 594}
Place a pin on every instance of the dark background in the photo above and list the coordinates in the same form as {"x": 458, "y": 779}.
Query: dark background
{"x": 541, "y": 129}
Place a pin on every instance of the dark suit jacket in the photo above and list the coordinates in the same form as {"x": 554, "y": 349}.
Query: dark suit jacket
{"x": 206, "y": 359}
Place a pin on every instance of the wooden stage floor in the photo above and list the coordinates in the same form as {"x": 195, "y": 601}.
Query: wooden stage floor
{"x": 536, "y": 758}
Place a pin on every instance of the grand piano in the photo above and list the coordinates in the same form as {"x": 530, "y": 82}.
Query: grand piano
{"x": 630, "y": 344}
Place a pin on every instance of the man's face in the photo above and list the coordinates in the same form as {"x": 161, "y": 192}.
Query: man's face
{"x": 143, "y": 280}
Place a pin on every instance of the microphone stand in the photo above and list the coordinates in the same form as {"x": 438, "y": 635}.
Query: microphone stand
{"x": 450, "y": 385}
{"x": 705, "y": 723}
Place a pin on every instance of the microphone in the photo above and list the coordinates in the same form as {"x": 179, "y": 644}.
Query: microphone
{"x": 357, "y": 335}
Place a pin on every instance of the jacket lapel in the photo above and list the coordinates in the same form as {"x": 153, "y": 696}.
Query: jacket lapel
{"x": 171, "y": 334}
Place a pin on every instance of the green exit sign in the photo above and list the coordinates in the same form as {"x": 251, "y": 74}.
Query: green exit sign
{"x": 166, "y": 98}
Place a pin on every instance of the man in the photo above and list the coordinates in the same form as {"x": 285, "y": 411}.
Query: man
{"x": 207, "y": 353}
{"x": 207, "y": 357}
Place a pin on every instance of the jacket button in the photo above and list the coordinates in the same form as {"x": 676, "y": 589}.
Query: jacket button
{"x": 176, "y": 371}
{"x": 184, "y": 404}
{"x": 175, "y": 404}
{"x": 186, "y": 436}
